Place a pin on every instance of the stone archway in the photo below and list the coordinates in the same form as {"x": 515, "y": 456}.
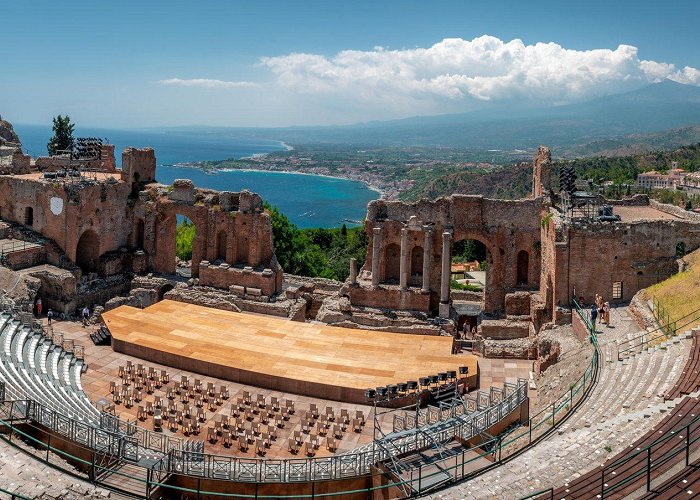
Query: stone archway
{"x": 29, "y": 216}
{"x": 494, "y": 291}
{"x": 167, "y": 244}
{"x": 163, "y": 290}
{"x": 87, "y": 252}
{"x": 242, "y": 249}
{"x": 139, "y": 232}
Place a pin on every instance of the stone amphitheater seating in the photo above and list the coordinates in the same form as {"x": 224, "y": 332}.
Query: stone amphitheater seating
{"x": 625, "y": 473}
{"x": 35, "y": 368}
{"x": 690, "y": 377}
{"x": 685, "y": 484}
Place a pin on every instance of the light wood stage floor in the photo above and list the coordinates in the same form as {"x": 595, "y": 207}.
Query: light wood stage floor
{"x": 264, "y": 351}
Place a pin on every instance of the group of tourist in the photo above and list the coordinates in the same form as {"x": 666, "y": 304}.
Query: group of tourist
{"x": 84, "y": 313}
{"x": 600, "y": 309}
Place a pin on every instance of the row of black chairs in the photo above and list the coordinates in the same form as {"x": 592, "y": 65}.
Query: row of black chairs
{"x": 430, "y": 382}
{"x": 101, "y": 336}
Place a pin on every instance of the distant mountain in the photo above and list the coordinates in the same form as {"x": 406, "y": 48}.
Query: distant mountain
{"x": 511, "y": 125}
{"x": 635, "y": 143}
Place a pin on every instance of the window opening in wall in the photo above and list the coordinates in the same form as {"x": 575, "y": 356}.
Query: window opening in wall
{"x": 617, "y": 290}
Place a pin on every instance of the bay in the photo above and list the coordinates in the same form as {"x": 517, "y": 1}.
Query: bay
{"x": 308, "y": 200}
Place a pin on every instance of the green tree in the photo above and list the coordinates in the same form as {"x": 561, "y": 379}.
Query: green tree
{"x": 62, "y": 135}
{"x": 184, "y": 237}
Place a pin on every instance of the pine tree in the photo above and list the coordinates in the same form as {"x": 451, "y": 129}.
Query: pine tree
{"x": 62, "y": 135}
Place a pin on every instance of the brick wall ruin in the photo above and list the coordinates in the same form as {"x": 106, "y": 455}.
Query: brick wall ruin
{"x": 101, "y": 228}
{"x": 399, "y": 271}
{"x": 119, "y": 222}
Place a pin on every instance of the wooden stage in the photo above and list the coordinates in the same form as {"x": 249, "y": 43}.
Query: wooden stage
{"x": 263, "y": 351}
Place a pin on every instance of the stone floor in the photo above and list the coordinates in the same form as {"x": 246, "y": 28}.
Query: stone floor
{"x": 25, "y": 475}
{"x": 625, "y": 404}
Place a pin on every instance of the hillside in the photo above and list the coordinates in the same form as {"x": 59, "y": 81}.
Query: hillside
{"x": 635, "y": 143}
{"x": 512, "y": 124}
{"x": 515, "y": 181}
{"x": 680, "y": 294}
{"x": 506, "y": 183}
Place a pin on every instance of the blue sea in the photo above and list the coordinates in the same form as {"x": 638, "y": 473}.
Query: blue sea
{"x": 308, "y": 200}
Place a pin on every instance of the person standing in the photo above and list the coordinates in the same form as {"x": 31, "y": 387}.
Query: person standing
{"x": 38, "y": 307}
{"x": 86, "y": 315}
{"x": 594, "y": 315}
{"x": 606, "y": 314}
{"x": 49, "y": 315}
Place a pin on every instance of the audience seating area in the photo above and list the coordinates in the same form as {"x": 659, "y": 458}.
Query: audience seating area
{"x": 34, "y": 367}
{"x": 256, "y": 420}
{"x": 663, "y": 447}
{"x": 253, "y": 423}
{"x": 690, "y": 377}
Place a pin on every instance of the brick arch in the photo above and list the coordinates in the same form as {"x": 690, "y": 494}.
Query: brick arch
{"x": 522, "y": 268}
{"x": 494, "y": 292}
{"x": 87, "y": 252}
{"x": 165, "y": 242}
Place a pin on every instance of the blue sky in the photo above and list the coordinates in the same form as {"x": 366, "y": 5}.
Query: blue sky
{"x": 150, "y": 63}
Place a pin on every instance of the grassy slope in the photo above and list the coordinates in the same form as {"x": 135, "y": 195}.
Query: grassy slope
{"x": 680, "y": 294}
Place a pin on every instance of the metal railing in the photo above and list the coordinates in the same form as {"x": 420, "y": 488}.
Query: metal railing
{"x": 14, "y": 495}
{"x": 663, "y": 332}
{"x": 549, "y": 492}
{"x": 16, "y": 246}
{"x": 689, "y": 434}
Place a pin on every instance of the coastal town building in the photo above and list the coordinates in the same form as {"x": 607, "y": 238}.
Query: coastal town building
{"x": 655, "y": 180}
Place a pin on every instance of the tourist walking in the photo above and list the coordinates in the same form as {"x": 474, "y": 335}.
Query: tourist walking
{"x": 86, "y": 316}
{"x": 38, "y": 307}
{"x": 49, "y": 315}
{"x": 594, "y": 315}
{"x": 606, "y": 314}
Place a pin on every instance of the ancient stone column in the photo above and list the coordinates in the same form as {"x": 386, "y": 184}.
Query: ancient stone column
{"x": 427, "y": 251}
{"x": 353, "y": 271}
{"x": 376, "y": 245}
{"x": 403, "y": 267}
{"x": 446, "y": 268}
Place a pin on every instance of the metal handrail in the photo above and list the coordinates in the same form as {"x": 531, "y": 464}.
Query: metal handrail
{"x": 666, "y": 330}
{"x": 537, "y": 494}
{"x": 13, "y": 494}
{"x": 648, "y": 450}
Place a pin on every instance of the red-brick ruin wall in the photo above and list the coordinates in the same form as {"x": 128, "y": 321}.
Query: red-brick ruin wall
{"x": 122, "y": 221}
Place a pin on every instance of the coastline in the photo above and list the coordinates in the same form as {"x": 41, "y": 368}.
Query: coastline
{"x": 213, "y": 170}
{"x": 370, "y": 186}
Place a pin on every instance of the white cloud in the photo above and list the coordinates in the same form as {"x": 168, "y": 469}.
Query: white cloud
{"x": 483, "y": 69}
{"x": 207, "y": 83}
